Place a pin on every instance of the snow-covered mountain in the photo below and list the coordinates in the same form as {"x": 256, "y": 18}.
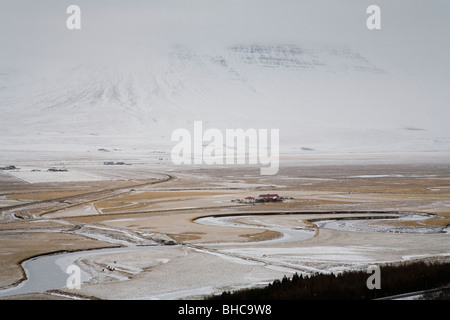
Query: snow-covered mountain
{"x": 324, "y": 99}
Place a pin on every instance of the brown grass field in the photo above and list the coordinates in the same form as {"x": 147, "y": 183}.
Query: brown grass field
{"x": 46, "y": 216}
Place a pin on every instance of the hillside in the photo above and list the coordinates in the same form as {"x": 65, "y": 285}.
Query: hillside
{"x": 322, "y": 98}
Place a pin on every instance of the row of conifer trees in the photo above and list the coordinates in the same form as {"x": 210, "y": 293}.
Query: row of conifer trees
{"x": 394, "y": 279}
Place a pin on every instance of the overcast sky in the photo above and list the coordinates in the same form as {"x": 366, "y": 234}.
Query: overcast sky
{"x": 414, "y": 34}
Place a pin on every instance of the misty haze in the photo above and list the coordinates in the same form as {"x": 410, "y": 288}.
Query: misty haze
{"x": 86, "y": 156}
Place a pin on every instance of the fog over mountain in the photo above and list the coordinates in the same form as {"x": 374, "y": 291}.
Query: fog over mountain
{"x": 142, "y": 69}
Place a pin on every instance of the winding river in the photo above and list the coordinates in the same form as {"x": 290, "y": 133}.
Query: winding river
{"x": 288, "y": 234}
{"x": 48, "y": 272}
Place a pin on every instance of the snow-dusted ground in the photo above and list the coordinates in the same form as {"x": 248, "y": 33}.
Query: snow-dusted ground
{"x": 376, "y": 225}
{"x": 187, "y": 271}
{"x": 331, "y": 104}
{"x": 117, "y": 89}
{"x": 62, "y": 176}
{"x": 324, "y": 99}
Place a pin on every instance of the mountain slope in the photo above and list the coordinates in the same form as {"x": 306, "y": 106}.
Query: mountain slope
{"x": 321, "y": 98}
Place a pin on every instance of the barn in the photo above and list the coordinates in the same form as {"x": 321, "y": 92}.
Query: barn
{"x": 249, "y": 200}
{"x": 269, "y": 198}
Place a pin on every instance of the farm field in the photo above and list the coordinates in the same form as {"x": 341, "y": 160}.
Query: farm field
{"x": 187, "y": 234}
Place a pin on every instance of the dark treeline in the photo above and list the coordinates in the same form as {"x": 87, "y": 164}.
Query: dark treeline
{"x": 350, "y": 285}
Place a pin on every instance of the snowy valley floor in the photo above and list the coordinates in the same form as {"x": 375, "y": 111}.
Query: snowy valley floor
{"x": 147, "y": 214}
